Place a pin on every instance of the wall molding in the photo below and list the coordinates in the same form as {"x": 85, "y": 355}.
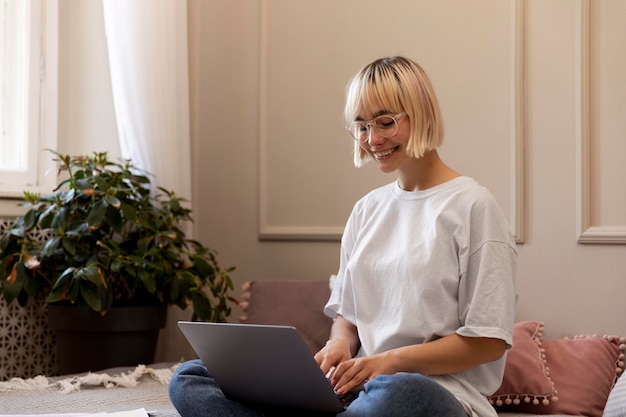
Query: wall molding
{"x": 517, "y": 136}
{"x": 585, "y": 230}
{"x": 268, "y": 231}
{"x": 516, "y": 104}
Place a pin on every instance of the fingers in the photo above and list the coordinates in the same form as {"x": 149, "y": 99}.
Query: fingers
{"x": 332, "y": 354}
{"x": 348, "y": 376}
{"x": 326, "y": 360}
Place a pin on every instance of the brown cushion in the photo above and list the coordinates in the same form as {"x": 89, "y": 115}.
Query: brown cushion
{"x": 291, "y": 303}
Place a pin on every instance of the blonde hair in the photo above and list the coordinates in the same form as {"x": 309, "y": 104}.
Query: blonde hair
{"x": 396, "y": 84}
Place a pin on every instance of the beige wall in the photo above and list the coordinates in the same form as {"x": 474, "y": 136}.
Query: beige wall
{"x": 575, "y": 288}
{"x": 270, "y": 157}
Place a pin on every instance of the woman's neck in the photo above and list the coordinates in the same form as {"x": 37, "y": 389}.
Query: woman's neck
{"x": 425, "y": 172}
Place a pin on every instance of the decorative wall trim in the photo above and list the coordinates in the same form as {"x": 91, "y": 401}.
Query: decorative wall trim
{"x": 586, "y": 232}
{"x": 333, "y": 233}
{"x": 517, "y": 137}
{"x": 301, "y": 233}
{"x": 266, "y": 230}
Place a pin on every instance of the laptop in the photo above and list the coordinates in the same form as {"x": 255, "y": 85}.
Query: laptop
{"x": 263, "y": 364}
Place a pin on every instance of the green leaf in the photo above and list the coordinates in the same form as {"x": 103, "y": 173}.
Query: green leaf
{"x": 69, "y": 245}
{"x": 128, "y": 212}
{"x": 68, "y": 274}
{"x": 4, "y": 263}
{"x": 91, "y": 274}
{"x": 204, "y": 268}
{"x": 50, "y": 246}
{"x": 131, "y": 270}
{"x": 138, "y": 261}
{"x": 45, "y": 220}
{"x": 113, "y": 201}
{"x": 142, "y": 246}
{"x": 12, "y": 289}
{"x": 30, "y": 219}
{"x": 175, "y": 291}
{"x": 91, "y": 296}
{"x": 73, "y": 290}
{"x": 175, "y": 204}
{"x": 62, "y": 286}
{"x": 82, "y": 184}
{"x": 33, "y": 284}
{"x": 18, "y": 232}
{"x": 60, "y": 220}
{"x": 116, "y": 265}
{"x": 101, "y": 183}
{"x": 114, "y": 219}
{"x": 96, "y": 214}
{"x": 66, "y": 197}
{"x": 148, "y": 280}
{"x": 201, "y": 305}
{"x": 141, "y": 179}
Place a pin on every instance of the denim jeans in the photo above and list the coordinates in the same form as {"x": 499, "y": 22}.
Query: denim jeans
{"x": 195, "y": 393}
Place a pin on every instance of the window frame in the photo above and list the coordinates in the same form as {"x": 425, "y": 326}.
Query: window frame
{"x": 42, "y": 107}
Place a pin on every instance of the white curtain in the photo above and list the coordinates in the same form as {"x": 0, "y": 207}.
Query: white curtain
{"x": 147, "y": 44}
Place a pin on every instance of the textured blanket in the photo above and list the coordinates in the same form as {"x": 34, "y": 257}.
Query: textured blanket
{"x": 117, "y": 389}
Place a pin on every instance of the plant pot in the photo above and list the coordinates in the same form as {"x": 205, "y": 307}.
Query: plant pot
{"x": 89, "y": 341}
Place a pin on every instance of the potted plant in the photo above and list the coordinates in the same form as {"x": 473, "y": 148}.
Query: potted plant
{"x": 110, "y": 244}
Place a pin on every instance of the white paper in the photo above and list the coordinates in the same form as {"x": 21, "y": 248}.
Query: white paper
{"x": 131, "y": 413}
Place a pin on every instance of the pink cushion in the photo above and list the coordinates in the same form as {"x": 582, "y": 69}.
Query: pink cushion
{"x": 583, "y": 371}
{"x": 526, "y": 379}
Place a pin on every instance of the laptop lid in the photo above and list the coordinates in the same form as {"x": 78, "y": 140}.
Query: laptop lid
{"x": 262, "y": 364}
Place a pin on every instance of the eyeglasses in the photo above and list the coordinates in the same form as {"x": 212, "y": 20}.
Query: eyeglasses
{"x": 384, "y": 125}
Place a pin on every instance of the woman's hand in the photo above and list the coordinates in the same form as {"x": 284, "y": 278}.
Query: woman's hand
{"x": 354, "y": 373}
{"x": 335, "y": 351}
{"x": 447, "y": 355}
{"x": 342, "y": 345}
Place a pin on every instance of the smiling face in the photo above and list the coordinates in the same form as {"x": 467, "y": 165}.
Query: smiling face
{"x": 391, "y": 86}
{"x": 389, "y": 153}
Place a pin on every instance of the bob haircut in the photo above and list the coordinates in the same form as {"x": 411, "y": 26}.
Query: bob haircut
{"x": 396, "y": 84}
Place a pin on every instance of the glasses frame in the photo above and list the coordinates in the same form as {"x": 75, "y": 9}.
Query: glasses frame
{"x": 372, "y": 124}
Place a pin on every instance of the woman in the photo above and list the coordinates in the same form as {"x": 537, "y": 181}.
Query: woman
{"x": 424, "y": 300}
{"x": 425, "y": 296}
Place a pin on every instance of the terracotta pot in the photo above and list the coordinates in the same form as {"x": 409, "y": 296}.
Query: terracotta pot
{"x": 88, "y": 341}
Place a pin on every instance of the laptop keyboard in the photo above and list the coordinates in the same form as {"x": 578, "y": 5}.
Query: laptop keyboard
{"x": 348, "y": 397}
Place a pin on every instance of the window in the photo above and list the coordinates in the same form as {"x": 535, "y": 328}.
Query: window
{"x": 28, "y": 85}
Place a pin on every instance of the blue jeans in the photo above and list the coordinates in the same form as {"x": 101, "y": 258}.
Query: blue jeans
{"x": 195, "y": 393}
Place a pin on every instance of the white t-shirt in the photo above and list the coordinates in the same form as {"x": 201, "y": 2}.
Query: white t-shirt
{"x": 416, "y": 266}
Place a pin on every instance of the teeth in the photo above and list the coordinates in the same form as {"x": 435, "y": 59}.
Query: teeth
{"x": 385, "y": 153}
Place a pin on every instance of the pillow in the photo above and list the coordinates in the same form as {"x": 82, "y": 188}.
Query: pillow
{"x": 291, "y": 303}
{"x": 526, "y": 377}
{"x": 616, "y": 404}
{"x": 583, "y": 370}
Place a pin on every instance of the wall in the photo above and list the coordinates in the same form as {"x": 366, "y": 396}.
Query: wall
{"x": 575, "y": 288}
{"x": 271, "y": 160}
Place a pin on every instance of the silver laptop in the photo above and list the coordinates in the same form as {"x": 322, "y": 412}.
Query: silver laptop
{"x": 262, "y": 364}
